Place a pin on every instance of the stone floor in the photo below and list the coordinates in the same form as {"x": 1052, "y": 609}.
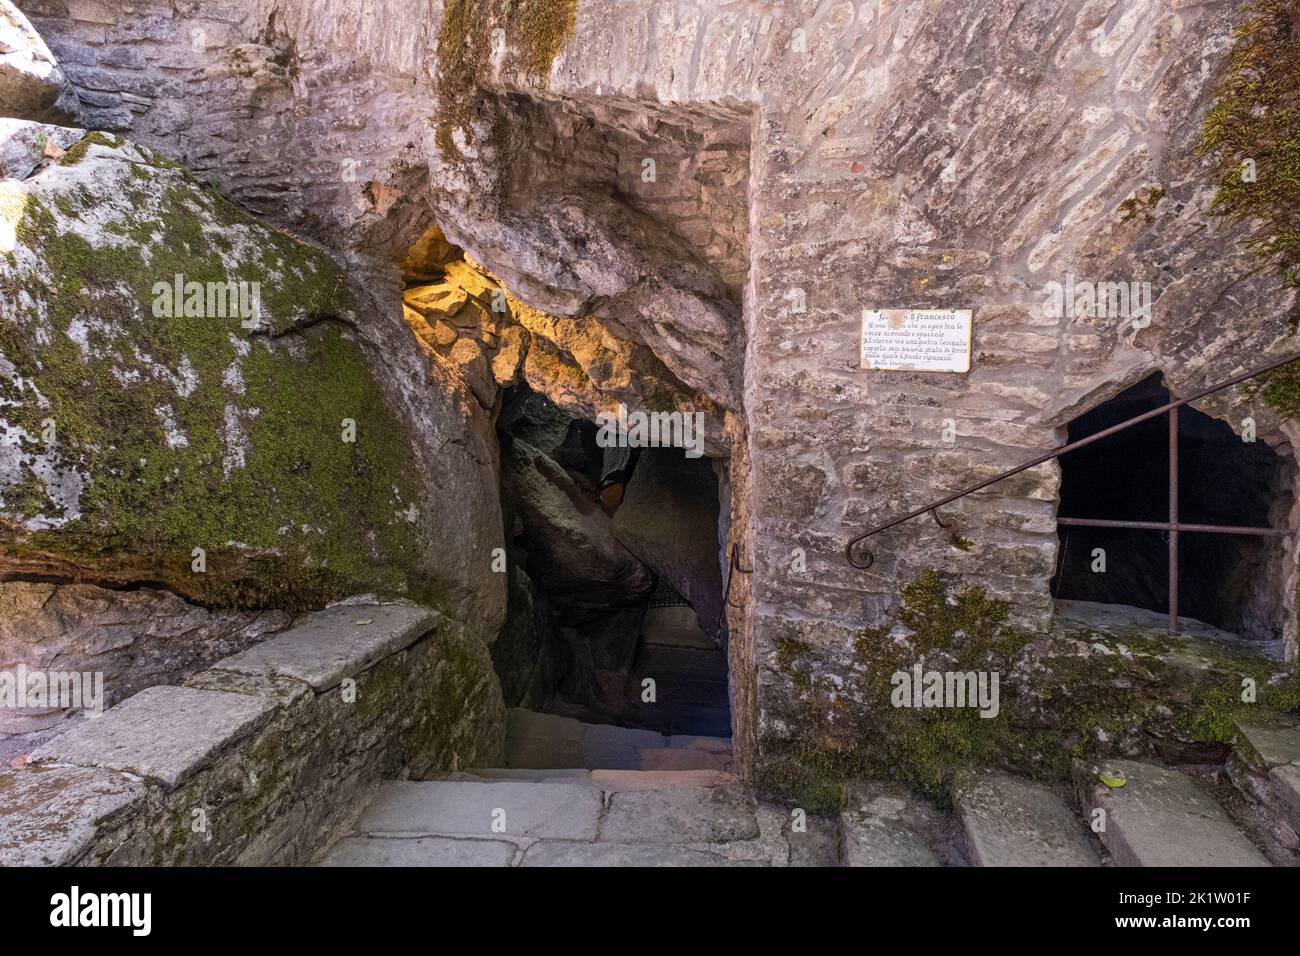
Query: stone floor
{"x": 539, "y": 812}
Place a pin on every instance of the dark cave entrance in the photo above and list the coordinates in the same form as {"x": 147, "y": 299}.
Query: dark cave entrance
{"x": 1233, "y": 582}
{"x": 616, "y": 577}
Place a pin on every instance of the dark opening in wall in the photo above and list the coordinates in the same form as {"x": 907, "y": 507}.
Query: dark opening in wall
{"x": 615, "y": 577}
{"x": 1233, "y": 582}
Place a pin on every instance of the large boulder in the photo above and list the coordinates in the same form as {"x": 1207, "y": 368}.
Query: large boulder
{"x": 573, "y": 555}
{"x": 31, "y": 84}
{"x": 245, "y": 445}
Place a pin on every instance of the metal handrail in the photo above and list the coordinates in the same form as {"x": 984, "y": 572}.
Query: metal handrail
{"x": 1173, "y": 526}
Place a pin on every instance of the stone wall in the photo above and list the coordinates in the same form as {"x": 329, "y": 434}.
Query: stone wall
{"x": 903, "y": 154}
{"x": 264, "y": 757}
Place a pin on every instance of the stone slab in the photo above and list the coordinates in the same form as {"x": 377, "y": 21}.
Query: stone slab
{"x": 719, "y": 745}
{"x": 866, "y": 839}
{"x": 1285, "y": 783}
{"x": 558, "y": 811}
{"x": 1008, "y": 821}
{"x": 683, "y": 758}
{"x": 542, "y": 753}
{"x": 1161, "y": 817}
{"x": 615, "y": 781}
{"x": 166, "y": 734}
{"x": 531, "y": 775}
{"x": 680, "y": 815}
{"x": 548, "y": 853}
{"x": 418, "y": 851}
{"x": 1270, "y": 746}
{"x": 531, "y": 723}
{"x": 327, "y": 646}
{"x": 49, "y": 816}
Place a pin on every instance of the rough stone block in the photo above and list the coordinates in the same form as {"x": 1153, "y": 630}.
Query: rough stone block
{"x": 338, "y": 642}
{"x": 51, "y": 816}
{"x": 1012, "y": 822}
{"x": 867, "y": 839}
{"x": 166, "y": 734}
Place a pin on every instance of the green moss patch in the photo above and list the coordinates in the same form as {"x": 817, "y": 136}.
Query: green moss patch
{"x": 194, "y": 432}
{"x": 1252, "y": 134}
{"x": 1073, "y": 694}
{"x": 534, "y": 30}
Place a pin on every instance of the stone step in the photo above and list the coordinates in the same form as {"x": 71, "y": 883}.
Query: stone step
{"x": 1267, "y": 769}
{"x": 885, "y": 826}
{"x": 610, "y": 781}
{"x": 485, "y": 810}
{"x": 1161, "y": 817}
{"x": 546, "y": 741}
{"x": 613, "y": 820}
{"x": 1009, "y": 821}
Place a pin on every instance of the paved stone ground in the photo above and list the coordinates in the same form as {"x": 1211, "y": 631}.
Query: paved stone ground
{"x": 595, "y": 816}
{"x": 637, "y": 818}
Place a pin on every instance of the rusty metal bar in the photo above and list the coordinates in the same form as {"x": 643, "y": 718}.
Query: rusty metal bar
{"x": 1180, "y": 526}
{"x": 1173, "y": 521}
{"x": 1048, "y": 456}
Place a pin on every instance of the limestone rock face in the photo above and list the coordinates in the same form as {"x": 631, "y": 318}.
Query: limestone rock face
{"x": 187, "y": 397}
{"x": 586, "y": 364}
{"x": 31, "y": 84}
{"x": 135, "y": 638}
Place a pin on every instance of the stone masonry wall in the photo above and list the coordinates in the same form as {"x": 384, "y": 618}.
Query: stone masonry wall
{"x": 904, "y": 154}
{"x": 262, "y": 758}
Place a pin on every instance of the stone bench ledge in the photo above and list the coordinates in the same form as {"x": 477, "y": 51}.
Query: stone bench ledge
{"x": 328, "y": 646}
{"x": 164, "y": 734}
{"x": 50, "y": 815}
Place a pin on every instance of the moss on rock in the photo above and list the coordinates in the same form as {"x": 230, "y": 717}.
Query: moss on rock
{"x": 1072, "y": 694}
{"x": 172, "y": 432}
{"x": 534, "y": 32}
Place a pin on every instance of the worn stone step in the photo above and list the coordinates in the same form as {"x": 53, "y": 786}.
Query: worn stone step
{"x": 680, "y": 815}
{"x": 419, "y": 851}
{"x": 1009, "y": 821}
{"x": 1266, "y": 746}
{"x": 554, "y": 853}
{"x": 1267, "y": 769}
{"x": 1161, "y": 817}
{"x": 490, "y": 809}
{"x": 610, "y": 781}
{"x": 885, "y": 826}
{"x": 546, "y": 741}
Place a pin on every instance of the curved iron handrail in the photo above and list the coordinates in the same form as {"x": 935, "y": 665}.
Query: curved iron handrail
{"x": 1056, "y": 453}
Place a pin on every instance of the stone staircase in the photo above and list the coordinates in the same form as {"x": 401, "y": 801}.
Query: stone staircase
{"x": 576, "y": 794}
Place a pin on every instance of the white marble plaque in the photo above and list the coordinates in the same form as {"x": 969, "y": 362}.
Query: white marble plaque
{"x": 916, "y": 340}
